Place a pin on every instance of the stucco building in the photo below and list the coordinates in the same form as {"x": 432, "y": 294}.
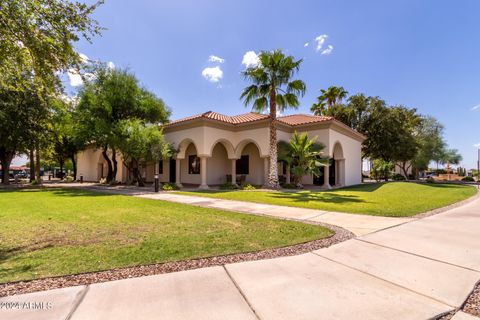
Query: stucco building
{"x": 213, "y": 147}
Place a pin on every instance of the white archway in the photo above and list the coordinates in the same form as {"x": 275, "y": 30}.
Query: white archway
{"x": 339, "y": 163}
{"x": 227, "y": 145}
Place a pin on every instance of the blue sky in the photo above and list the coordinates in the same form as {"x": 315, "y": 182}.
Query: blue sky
{"x": 422, "y": 54}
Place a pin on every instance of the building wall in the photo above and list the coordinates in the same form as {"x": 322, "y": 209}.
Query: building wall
{"x": 352, "y": 153}
{"x": 218, "y": 166}
{"x": 220, "y": 146}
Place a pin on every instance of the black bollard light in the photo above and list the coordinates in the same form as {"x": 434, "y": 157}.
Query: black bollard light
{"x": 81, "y": 179}
{"x": 156, "y": 183}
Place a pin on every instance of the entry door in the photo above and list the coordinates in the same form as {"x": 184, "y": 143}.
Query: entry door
{"x": 173, "y": 171}
{"x": 318, "y": 181}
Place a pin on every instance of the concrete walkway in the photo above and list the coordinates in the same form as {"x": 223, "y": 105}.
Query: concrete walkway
{"x": 358, "y": 224}
{"x": 417, "y": 270}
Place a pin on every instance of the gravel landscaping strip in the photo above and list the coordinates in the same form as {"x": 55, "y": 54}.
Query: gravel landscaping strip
{"x": 472, "y": 305}
{"x": 21, "y": 287}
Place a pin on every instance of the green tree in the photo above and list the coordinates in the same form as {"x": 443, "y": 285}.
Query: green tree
{"x": 273, "y": 89}
{"x": 23, "y": 117}
{"x": 429, "y": 136}
{"x": 303, "y": 156}
{"x": 329, "y": 100}
{"x": 450, "y": 156}
{"x": 381, "y": 169}
{"x": 140, "y": 143}
{"x": 37, "y": 38}
{"x": 111, "y": 97}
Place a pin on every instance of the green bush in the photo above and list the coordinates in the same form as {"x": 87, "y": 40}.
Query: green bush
{"x": 228, "y": 186}
{"x": 430, "y": 180}
{"x": 468, "y": 179}
{"x": 68, "y": 178}
{"x": 398, "y": 177}
{"x": 169, "y": 187}
{"x": 248, "y": 186}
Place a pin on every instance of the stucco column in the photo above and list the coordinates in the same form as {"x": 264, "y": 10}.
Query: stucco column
{"x": 265, "y": 171}
{"x": 287, "y": 176}
{"x": 234, "y": 171}
{"x": 341, "y": 172}
{"x": 326, "y": 177}
{"x": 178, "y": 172}
{"x": 203, "y": 173}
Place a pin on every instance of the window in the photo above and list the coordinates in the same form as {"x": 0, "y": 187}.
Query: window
{"x": 193, "y": 164}
{"x": 242, "y": 165}
{"x": 160, "y": 167}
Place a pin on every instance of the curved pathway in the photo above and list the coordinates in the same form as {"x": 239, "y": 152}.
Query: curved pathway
{"x": 417, "y": 270}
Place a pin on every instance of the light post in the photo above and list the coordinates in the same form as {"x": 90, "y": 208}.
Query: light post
{"x": 478, "y": 169}
{"x": 157, "y": 185}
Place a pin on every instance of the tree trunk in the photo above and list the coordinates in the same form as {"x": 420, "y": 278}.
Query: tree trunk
{"x": 61, "y": 169}
{"x": 37, "y": 165}
{"x": 74, "y": 165}
{"x": 6, "y": 158}
{"x": 273, "y": 168}
{"x": 32, "y": 165}
{"x": 109, "y": 164}
{"x": 115, "y": 166}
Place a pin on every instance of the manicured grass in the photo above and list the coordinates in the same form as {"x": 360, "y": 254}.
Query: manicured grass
{"x": 58, "y": 232}
{"x": 394, "y": 199}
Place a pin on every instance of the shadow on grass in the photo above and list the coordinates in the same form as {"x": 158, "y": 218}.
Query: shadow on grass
{"x": 70, "y": 192}
{"x": 322, "y": 196}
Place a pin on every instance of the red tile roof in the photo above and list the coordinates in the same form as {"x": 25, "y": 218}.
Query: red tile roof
{"x": 292, "y": 120}
{"x": 299, "y": 119}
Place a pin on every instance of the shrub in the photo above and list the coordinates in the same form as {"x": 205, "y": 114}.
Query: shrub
{"x": 288, "y": 186}
{"x": 169, "y": 187}
{"x": 468, "y": 179}
{"x": 248, "y": 186}
{"x": 34, "y": 182}
{"x": 398, "y": 177}
{"x": 68, "y": 178}
{"x": 103, "y": 181}
{"x": 228, "y": 186}
{"x": 430, "y": 180}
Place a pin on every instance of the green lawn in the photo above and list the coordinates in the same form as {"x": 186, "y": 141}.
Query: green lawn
{"x": 57, "y": 232}
{"x": 394, "y": 199}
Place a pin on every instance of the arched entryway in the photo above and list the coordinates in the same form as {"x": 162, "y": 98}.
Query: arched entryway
{"x": 250, "y": 167}
{"x": 219, "y": 166}
{"x": 338, "y": 164}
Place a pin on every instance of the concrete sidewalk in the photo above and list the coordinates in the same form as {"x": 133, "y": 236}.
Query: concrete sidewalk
{"x": 418, "y": 270}
{"x": 358, "y": 224}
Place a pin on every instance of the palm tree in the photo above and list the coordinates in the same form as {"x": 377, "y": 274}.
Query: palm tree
{"x": 303, "y": 156}
{"x": 328, "y": 100}
{"x": 273, "y": 88}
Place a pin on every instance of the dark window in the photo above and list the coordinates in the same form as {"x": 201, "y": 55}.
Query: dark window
{"x": 242, "y": 165}
{"x": 160, "y": 167}
{"x": 193, "y": 164}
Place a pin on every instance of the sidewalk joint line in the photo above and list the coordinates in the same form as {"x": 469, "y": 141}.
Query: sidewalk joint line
{"x": 419, "y": 255}
{"x": 241, "y": 293}
{"x": 78, "y": 300}
{"x": 385, "y": 280}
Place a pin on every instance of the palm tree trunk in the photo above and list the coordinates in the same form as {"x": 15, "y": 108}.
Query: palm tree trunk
{"x": 273, "y": 167}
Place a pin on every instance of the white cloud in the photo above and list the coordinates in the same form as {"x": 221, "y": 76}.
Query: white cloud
{"x": 111, "y": 65}
{"x": 306, "y": 44}
{"x": 250, "y": 59}
{"x": 476, "y": 108}
{"x": 477, "y": 145}
{"x": 75, "y": 78}
{"x": 328, "y": 50}
{"x": 83, "y": 57}
{"x": 320, "y": 40}
{"x": 217, "y": 59}
{"x": 213, "y": 74}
